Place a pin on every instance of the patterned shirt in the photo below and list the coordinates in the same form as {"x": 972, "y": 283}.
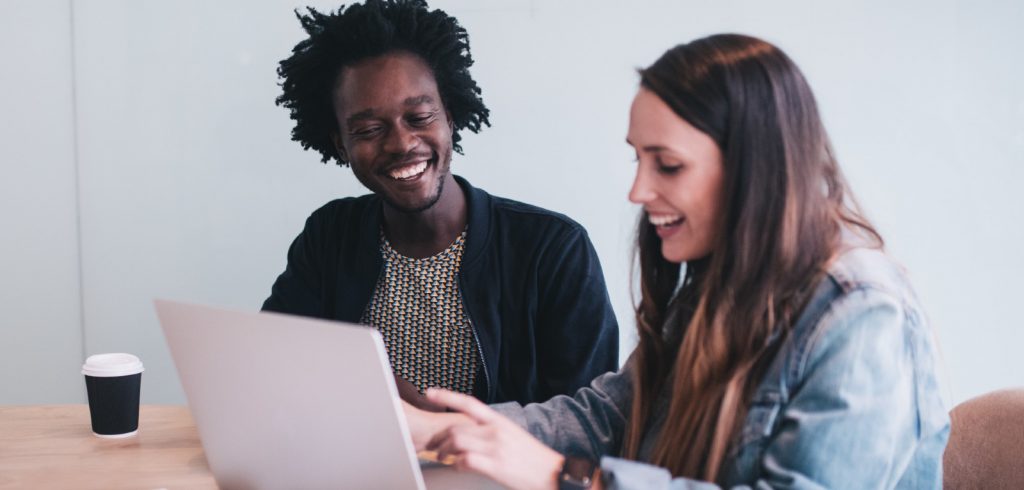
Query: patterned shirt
{"x": 417, "y": 307}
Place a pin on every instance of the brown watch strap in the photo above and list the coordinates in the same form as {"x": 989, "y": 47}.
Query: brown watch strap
{"x": 577, "y": 474}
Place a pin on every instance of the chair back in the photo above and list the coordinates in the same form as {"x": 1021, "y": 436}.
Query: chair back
{"x": 986, "y": 442}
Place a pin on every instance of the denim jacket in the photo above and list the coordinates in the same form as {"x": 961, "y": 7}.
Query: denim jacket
{"x": 851, "y": 400}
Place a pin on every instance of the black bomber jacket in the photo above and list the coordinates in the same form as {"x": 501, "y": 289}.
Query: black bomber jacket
{"x": 530, "y": 280}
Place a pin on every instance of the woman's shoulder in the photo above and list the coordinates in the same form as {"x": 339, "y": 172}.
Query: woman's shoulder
{"x": 858, "y": 366}
{"x": 867, "y": 268}
{"x": 865, "y": 297}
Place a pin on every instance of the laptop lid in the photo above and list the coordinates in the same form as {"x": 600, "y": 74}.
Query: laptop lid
{"x": 290, "y": 402}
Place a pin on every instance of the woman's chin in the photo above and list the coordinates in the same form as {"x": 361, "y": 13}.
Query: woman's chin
{"x": 678, "y": 255}
{"x": 672, "y": 255}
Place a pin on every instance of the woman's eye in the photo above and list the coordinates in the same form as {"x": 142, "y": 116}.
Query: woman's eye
{"x": 668, "y": 168}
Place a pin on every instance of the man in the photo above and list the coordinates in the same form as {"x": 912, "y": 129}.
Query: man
{"x": 472, "y": 292}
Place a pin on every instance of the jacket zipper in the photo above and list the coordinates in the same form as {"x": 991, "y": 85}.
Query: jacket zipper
{"x": 476, "y": 339}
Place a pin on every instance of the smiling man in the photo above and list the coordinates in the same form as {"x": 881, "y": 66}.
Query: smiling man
{"x": 472, "y": 292}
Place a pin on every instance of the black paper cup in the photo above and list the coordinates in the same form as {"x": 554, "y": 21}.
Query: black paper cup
{"x": 113, "y": 382}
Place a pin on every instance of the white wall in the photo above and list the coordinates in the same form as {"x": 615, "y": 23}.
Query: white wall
{"x": 189, "y": 187}
{"x": 40, "y": 307}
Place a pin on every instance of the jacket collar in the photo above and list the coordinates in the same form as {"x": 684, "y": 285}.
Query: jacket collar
{"x": 478, "y": 220}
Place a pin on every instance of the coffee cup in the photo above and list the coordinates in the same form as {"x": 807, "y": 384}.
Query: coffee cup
{"x": 113, "y": 382}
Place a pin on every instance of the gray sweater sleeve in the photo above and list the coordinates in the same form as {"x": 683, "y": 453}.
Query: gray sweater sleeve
{"x": 588, "y": 424}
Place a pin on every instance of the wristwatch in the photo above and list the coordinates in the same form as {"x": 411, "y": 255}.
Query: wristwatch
{"x": 577, "y": 474}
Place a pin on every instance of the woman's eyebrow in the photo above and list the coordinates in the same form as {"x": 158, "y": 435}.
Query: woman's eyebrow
{"x": 649, "y": 148}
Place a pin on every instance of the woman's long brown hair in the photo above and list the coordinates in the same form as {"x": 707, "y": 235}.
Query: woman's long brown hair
{"x": 711, "y": 334}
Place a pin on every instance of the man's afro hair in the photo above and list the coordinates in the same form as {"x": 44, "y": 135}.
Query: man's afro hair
{"x": 362, "y": 31}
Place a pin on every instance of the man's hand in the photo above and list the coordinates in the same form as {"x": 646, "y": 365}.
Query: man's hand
{"x": 424, "y": 426}
{"x": 410, "y": 394}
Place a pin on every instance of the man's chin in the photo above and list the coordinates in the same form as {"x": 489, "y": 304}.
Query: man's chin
{"x": 423, "y": 205}
{"x": 413, "y": 208}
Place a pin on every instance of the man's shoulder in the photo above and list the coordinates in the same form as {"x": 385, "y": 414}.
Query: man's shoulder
{"x": 518, "y": 213}
{"x": 343, "y": 209}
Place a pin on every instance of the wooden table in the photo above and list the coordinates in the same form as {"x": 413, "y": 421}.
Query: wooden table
{"x": 52, "y": 446}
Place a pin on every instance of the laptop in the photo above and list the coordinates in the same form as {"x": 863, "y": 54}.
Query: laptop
{"x": 290, "y": 402}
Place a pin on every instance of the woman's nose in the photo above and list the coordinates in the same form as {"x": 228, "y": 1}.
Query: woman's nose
{"x": 641, "y": 192}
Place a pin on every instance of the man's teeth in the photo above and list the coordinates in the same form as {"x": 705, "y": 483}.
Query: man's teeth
{"x": 664, "y": 219}
{"x": 409, "y": 172}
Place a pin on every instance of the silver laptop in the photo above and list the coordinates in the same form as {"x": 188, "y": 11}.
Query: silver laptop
{"x": 290, "y": 402}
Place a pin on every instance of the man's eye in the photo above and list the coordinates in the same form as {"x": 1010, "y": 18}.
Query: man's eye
{"x": 365, "y": 132}
{"x": 421, "y": 119}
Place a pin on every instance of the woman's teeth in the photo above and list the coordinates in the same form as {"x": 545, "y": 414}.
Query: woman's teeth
{"x": 664, "y": 219}
{"x": 405, "y": 173}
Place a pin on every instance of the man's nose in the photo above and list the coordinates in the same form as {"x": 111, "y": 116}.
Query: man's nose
{"x": 400, "y": 141}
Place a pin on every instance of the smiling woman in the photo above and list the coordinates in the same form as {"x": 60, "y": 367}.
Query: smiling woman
{"x": 678, "y": 178}
{"x": 779, "y": 345}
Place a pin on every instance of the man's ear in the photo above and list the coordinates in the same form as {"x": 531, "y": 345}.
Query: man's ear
{"x": 451, "y": 122}
{"x": 339, "y": 148}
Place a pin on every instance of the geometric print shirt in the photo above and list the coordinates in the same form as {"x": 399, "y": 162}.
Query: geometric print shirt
{"x": 417, "y": 307}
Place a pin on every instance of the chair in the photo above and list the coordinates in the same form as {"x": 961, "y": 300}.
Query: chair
{"x": 986, "y": 442}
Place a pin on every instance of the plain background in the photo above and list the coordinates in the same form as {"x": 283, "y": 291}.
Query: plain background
{"x": 143, "y": 156}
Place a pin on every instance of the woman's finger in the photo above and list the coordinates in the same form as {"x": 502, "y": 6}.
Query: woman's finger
{"x": 466, "y": 404}
{"x": 478, "y": 463}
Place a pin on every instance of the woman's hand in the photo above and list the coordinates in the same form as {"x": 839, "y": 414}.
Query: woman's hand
{"x": 494, "y": 446}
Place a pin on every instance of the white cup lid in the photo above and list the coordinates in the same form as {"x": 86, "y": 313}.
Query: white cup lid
{"x": 110, "y": 365}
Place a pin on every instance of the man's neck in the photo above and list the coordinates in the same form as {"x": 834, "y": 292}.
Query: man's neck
{"x": 432, "y": 230}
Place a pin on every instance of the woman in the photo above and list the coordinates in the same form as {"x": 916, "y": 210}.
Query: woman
{"x": 779, "y": 346}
